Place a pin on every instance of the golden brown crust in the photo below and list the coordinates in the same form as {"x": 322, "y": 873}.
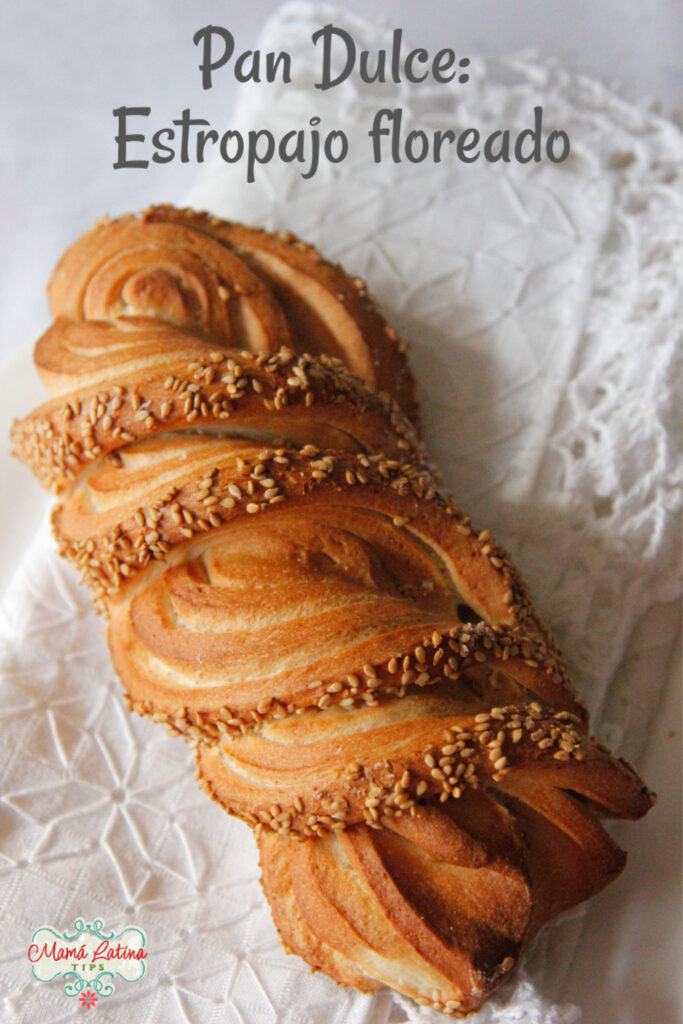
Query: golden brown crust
{"x": 240, "y": 286}
{"x": 139, "y": 382}
{"x": 340, "y": 318}
{"x": 360, "y": 671}
{"x": 369, "y": 765}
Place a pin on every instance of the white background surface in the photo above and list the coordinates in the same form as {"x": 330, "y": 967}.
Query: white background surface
{"x": 66, "y": 64}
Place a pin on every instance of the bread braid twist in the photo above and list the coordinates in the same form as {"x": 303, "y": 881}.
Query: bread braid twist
{"x": 240, "y": 481}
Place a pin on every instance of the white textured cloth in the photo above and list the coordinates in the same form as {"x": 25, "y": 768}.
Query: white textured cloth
{"x": 542, "y": 303}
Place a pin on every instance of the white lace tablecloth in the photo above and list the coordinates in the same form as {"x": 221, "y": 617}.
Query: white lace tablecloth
{"x": 542, "y": 304}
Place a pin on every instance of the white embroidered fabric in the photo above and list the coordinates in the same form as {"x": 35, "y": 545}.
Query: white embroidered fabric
{"x": 542, "y": 305}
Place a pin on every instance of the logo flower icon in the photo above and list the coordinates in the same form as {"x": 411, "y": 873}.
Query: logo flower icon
{"x": 88, "y": 999}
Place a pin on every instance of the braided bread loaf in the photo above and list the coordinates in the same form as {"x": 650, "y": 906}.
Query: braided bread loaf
{"x": 233, "y": 439}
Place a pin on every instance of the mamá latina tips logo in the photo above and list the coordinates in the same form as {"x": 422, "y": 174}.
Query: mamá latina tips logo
{"x": 88, "y": 959}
